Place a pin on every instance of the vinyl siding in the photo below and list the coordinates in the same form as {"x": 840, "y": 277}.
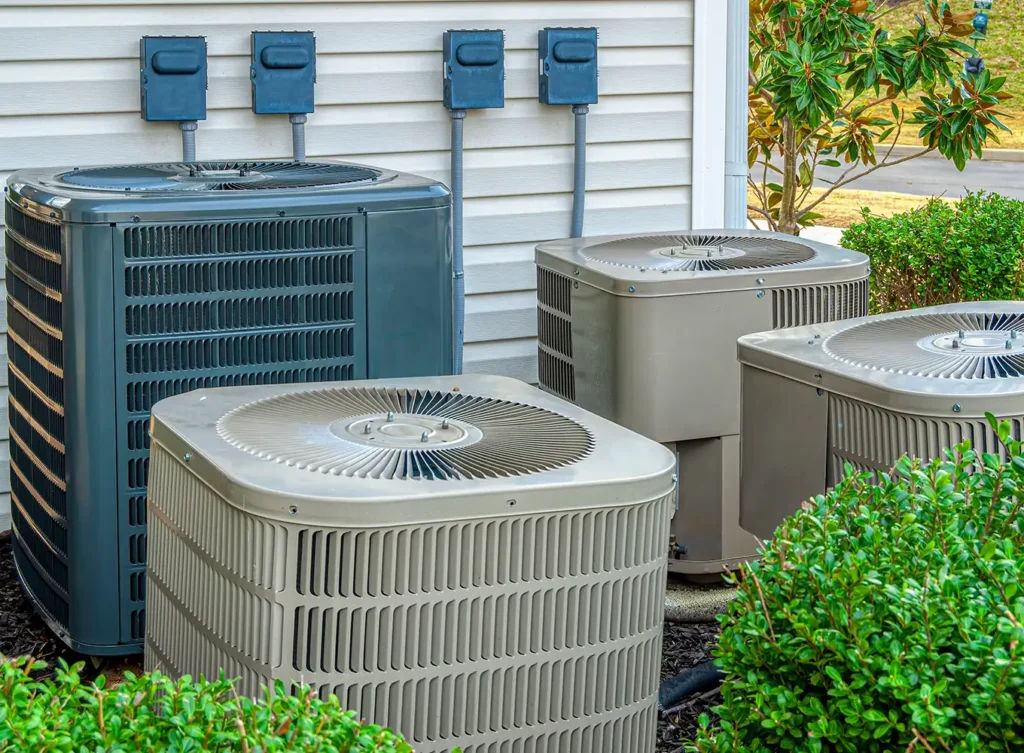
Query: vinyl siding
{"x": 69, "y": 95}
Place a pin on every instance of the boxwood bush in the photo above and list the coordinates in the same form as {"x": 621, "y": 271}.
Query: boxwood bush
{"x": 152, "y": 713}
{"x": 885, "y": 616}
{"x": 972, "y": 250}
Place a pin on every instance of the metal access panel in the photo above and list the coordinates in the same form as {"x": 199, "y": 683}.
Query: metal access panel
{"x": 568, "y": 66}
{"x": 174, "y": 78}
{"x": 283, "y": 72}
{"x": 474, "y": 69}
{"x": 116, "y": 302}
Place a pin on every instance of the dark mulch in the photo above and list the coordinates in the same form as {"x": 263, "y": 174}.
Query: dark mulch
{"x": 23, "y": 633}
{"x": 685, "y": 646}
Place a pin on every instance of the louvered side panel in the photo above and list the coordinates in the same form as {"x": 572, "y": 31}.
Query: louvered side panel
{"x": 872, "y": 439}
{"x": 817, "y": 304}
{"x": 555, "y": 368}
{"x": 222, "y": 304}
{"x": 540, "y": 630}
{"x": 35, "y": 348}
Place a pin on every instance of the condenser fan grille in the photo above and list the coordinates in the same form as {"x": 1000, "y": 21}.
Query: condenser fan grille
{"x": 946, "y": 346}
{"x": 698, "y": 253}
{"x": 217, "y": 176}
{"x": 405, "y": 434}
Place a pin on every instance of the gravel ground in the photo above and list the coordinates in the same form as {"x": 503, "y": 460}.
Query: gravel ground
{"x": 23, "y": 632}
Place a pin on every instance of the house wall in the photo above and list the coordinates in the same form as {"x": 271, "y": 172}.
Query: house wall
{"x": 69, "y": 95}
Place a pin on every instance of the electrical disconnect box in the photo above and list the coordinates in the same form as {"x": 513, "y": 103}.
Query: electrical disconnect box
{"x": 568, "y": 66}
{"x": 474, "y": 69}
{"x": 283, "y": 72}
{"x": 173, "y": 78}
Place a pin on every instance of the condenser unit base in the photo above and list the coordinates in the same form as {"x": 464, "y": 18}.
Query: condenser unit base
{"x": 706, "y": 538}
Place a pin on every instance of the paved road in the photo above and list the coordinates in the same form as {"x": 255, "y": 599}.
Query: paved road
{"x": 925, "y": 176}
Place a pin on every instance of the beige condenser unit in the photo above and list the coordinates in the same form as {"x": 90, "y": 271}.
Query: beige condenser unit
{"x": 467, "y": 560}
{"x": 642, "y": 330}
{"x": 867, "y": 391}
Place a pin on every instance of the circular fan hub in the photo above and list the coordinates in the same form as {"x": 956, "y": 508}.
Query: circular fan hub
{"x": 390, "y": 433}
{"x": 408, "y": 431}
{"x": 942, "y": 346}
{"x": 976, "y": 342}
{"x": 698, "y": 253}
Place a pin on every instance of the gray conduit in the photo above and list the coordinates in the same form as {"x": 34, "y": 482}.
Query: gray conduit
{"x": 459, "y": 291}
{"x": 298, "y": 137}
{"x": 188, "y": 140}
{"x": 579, "y": 187}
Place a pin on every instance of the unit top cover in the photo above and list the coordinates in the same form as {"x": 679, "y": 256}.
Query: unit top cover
{"x": 389, "y": 451}
{"x": 700, "y": 261}
{"x": 965, "y": 358}
{"x": 239, "y": 187}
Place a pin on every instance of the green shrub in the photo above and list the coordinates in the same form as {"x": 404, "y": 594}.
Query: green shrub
{"x": 884, "y": 617}
{"x": 152, "y": 713}
{"x": 972, "y": 250}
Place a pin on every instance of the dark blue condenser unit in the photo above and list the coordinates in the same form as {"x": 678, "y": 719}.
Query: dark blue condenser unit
{"x": 129, "y": 284}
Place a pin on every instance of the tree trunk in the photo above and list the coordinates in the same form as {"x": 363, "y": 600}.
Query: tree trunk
{"x": 787, "y": 207}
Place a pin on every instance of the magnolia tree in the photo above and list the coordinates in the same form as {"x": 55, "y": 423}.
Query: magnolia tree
{"x": 831, "y": 87}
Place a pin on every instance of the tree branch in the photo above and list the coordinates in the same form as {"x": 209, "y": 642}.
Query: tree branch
{"x": 844, "y": 181}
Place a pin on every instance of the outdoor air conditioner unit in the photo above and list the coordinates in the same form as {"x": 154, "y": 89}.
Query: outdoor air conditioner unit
{"x": 868, "y": 391}
{"x": 465, "y": 559}
{"x": 127, "y": 284}
{"x": 642, "y": 330}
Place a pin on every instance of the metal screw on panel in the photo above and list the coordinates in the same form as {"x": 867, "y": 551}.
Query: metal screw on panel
{"x": 760, "y": 294}
{"x": 957, "y": 408}
{"x": 956, "y": 344}
{"x": 817, "y": 337}
{"x": 632, "y": 289}
{"x": 820, "y": 391}
{"x": 672, "y": 252}
{"x": 675, "y": 479}
{"x": 391, "y": 416}
{"x": 1009, "y": 345}
{"x": 759, "y": 281}
{"x": 1013, "y": 334}
{"x": 53, "y": 214}
{"x": 961, "y": 334}
{"x": 575, "y": 284}
{"x": 188, "y": 456}
{"x": 281, "y": 213}
{"x": 817, "y": 377}
{"x": 425, "y": 436}
{"x": 810, "y": 342}
{"x": 136, "y": 218}
{"x": 293, "y": 510}
{"x": 511, "y": 503}
{"x": 444, "y": 424}
{"x": 576, "y": 272}
{"x": 366, "y": 429}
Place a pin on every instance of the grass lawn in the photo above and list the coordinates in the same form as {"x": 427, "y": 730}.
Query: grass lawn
{"x": 1003, "y": 52}
{"x": 844, "y": 206}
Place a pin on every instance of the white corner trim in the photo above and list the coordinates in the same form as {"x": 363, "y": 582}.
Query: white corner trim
{"x": 710, "y": 61}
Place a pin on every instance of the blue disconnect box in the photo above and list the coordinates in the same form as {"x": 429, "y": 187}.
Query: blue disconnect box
{"x": 283, "y": 72}
{"x": 173, "y": 78}
{"x": 474, "y": 69}
{"x": 568, "y": 66}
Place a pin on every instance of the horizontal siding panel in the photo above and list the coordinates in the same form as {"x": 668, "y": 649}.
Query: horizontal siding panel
{"x": 105, "y": 139}
{"x": 514, "y": 358}
{"x": 91, "y": 33}
{"x": 44, "y": 88}
{"x": 69, "y": 96}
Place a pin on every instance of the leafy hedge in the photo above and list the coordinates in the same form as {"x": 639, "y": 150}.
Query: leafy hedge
{"x": 972, "y": 250}
{"x": 152, "y": 713}
{"x": 885, "y": 616}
